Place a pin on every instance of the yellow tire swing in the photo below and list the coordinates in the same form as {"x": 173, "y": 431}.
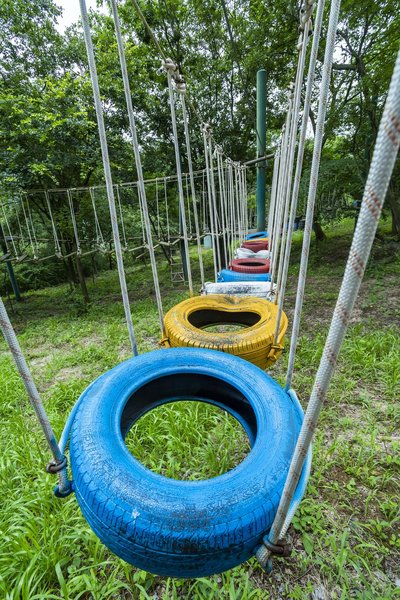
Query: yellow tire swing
{"x": 186, "y": 325}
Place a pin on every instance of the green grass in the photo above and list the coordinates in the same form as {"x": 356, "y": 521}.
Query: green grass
{"x": 345, "y": 534}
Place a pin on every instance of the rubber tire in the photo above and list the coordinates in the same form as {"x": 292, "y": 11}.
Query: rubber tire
{"x": 257, "y": 235}
{"x": 229, "y": 275}
{"x": 256, "y": 246}
{"x": 245, "y": 253}
{"x": 250, "y": 265}
{"x": 184, "y": 323}
{"x": 170, "y": 527}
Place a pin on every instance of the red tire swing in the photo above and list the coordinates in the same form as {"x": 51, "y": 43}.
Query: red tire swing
{"x": 255, "y": 246}
{"x": 250, "y": 265}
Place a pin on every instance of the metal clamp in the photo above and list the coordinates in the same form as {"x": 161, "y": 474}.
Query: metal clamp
{"x": 53, "y": 467}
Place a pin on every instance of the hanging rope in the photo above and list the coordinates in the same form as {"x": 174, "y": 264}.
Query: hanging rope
{"x": 291, "y": 148}
{"x": 205, "y": 132}
{"x": 28, "y": 229}
{"x": 74, "y": 224}
{"x": 57, "y": 246}
{"x": 214, "y": 202}
{"x": 107, "y": 174}
{"x": 138, "y": 162}
{"x": 272, "y": 202}
{"x": 182, "y": 89}
{"x": 100, "y": 243}
{"x": 287, "y": 232}
{"x": 170, "y": 67}
{"x": 59, "y": 464}
{"x": 300, "y": 153}
{"x": 380, "y": 172}
{"x": 312, "y": 191}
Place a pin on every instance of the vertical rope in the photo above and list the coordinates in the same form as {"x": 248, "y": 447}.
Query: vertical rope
{"x": 312, "y": 191}
{"x": 300, "y": 156}
{"x": 192, "y": 186}
{"x": 277, "y": 225}
{"x": 214, "y": 202}
{"x": 291, "y": 152}
{"x": 34, "y": 396}
{"x": 99, "y": 234}
{"x": 107, "y": 174}
{"x": 121, "y": 217}
{"x": 57, "y": 246}
{"x": 28, "y": 228}
{"x": 380, "y": 172}
{"x": 74, "y": 224}
{"x": 170, "y": 67}
{"x": 138, "y": 162}
{"x": 210, "y": 207}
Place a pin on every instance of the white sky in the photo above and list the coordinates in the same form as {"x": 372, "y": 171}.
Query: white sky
{"x": 71, "y": 12}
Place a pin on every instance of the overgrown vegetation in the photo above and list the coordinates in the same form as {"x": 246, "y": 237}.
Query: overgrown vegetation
{"x": 345, "y": 535}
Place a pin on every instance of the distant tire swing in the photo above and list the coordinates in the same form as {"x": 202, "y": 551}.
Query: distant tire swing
{"x": 229, "y": 275}
{"x": 183, "y": 528}
{"x": 256, "y": 245}
{"x": 257, "y": 235}
{"x": 250, "y": 265}
{"x": 186, "y": 325}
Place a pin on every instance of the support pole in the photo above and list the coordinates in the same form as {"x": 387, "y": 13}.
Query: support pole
{"x": 261, "y": 143}
{"x": 11, "y": 274}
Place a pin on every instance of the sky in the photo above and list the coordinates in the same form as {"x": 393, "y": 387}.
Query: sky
{"x": 71, "y": 12}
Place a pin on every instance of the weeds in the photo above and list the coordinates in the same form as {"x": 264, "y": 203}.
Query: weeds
{"x": 345, "y": 534}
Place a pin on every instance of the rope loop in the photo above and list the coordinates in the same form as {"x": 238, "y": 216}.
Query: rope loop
{"x": 169, "y": 65}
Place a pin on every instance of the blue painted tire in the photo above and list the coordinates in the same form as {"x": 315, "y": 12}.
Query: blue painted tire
{"x": 258, "y": 234}
{"x": 182, "y": 528}
{"x": 228, "y": 275}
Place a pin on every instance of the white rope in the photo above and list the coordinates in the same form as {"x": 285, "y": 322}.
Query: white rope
{"x": 33, "y": 395}
{"x": 107, "y": 174}
{"x": 74, "y": 223}
{"x": 57, "y": 246}
{"x": 291, "y": 154}
{"x": 210, "y": 206}
{"x": 312, "y": 191}
{"x": 166, "y": 210}
{"x": 158, "y": 212}
{"x": 99, "y": 234}
{"x": 277, "y": 227}
{"x": 33, "y": 230}
{"x": 300, "y": 156}
{"x": 170, "y": 68}
{"x": 121, "y": 217}
{"x": 221, "y": 204}
{"x": 380, "y": 172}
{"x": 28, "y": 228}
{"x": 138, "y": 162}
{"x": 192, "y": 185}
{"x": 11, "y": 238}
{"x": 272, "y": 202}
{"x": 214, "y": 201}
{"x": 286, "y": 234}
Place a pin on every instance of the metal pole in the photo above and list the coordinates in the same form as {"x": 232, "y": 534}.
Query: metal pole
{"x": 261, "y": 142}
{"x": 11, "y": 274}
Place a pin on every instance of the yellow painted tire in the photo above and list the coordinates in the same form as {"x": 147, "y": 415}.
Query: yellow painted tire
{"x": 184, "y": 325}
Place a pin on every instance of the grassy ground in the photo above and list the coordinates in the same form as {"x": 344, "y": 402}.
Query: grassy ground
{"x": 345, "y": 534}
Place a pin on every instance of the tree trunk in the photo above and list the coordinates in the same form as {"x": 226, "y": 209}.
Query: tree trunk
{"x": 81, "y": 277}
{"x": 393, "y": 201}
{"x": 319, "y": 232}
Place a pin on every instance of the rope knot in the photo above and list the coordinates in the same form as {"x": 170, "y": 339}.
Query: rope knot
{"x": 169, "y": 65}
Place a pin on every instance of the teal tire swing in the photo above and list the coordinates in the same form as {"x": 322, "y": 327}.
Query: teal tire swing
{"x": 182, "y": 528}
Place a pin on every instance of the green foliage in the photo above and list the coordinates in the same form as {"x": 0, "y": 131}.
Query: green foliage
{"x": 345, "y": 532}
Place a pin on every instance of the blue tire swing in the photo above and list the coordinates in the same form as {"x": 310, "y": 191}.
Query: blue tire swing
{"x": 182, "y": 528}
{"x": 256, "y": 235}
{"x": 229, "y": 275}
